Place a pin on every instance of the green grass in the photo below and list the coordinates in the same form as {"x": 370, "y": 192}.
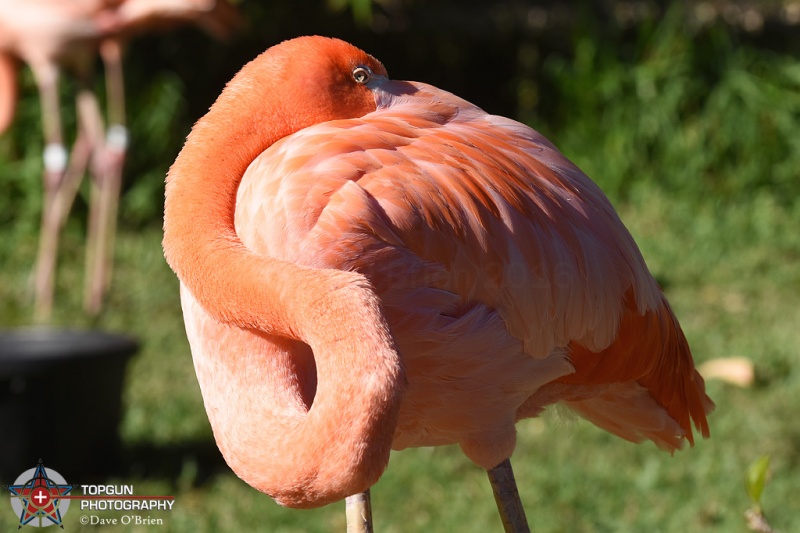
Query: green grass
{"x": 731, "y": 274}
{"x": 698, "y": 147}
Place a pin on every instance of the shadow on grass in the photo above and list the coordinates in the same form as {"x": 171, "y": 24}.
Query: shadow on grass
{"x": 202, "y": 459}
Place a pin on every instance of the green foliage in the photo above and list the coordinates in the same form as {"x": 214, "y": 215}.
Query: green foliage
{"x": 156, "y": 135}
{"x": 756, "y": 479}
{"x": 362, "y": 9}
{"x": 691, "y": 112}
{"x": 20, "y": 163}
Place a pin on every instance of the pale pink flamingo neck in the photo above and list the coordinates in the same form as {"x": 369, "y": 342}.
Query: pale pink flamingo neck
{"x": 290, "y": 87}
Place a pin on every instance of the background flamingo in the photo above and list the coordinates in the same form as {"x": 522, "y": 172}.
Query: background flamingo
{"x": 130, "y": 18}
{"x": 368, "y": 264}
{"x": 8, "y": 90}
{"x": 50, "y": 36}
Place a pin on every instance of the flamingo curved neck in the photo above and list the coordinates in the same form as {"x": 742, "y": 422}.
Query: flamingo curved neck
{"x": 336, "y": 313}
{"x": 200, "y": 242}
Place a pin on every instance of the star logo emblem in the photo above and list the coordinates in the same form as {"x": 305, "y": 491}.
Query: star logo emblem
{"x": 36, "y": 496}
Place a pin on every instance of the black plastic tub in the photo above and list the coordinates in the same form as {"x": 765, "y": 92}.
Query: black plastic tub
{"x": 61, "y": 401}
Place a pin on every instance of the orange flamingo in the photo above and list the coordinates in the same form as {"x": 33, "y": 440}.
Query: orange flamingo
{"x": 369, "y": 264}
{"x": 51, "y": 35}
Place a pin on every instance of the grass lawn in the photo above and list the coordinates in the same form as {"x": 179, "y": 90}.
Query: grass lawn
{"x": 731, "y": 273}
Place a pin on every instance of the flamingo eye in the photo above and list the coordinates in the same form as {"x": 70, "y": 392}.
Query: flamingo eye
{"x": 362, "y": 75}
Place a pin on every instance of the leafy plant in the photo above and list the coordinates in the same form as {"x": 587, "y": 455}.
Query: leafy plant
{"x": 691, "y": 112}
{"x": 755, "y": 481}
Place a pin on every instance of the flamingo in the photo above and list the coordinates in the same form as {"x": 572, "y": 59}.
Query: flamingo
{"x": 216, "y": 17}
{"x": 8, "y": 90}
{"x": 131, "y": 18}
{"x": 368, "y": 264}
{"x": 51, "y": 36}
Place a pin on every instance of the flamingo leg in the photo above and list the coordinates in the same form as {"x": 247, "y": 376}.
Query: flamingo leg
{"x": 55, "y": 162}
{"x": 111, "y": 53}
{"x": 87, "y": 141}
{"x": 358, "y": 508}
{"x": 116, "y": 140}
{"x": 78, "y": 162}
{"x": 92, "y": 122}
{"x": 506, "y": 495}
{"x": 112, "y": 159}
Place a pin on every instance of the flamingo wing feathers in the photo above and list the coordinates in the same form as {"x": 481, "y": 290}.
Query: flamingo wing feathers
{"x": 475, "y": 227}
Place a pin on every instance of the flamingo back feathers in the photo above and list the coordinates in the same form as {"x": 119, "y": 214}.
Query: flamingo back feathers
{"x": 471, "y": 214}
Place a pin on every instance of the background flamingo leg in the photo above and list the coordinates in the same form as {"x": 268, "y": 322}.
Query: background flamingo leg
{"x": 114, "y": 152}
{"x": 78, "y": 162}
{"x": 55, "y": 162}
{"x": 97, "y": 238}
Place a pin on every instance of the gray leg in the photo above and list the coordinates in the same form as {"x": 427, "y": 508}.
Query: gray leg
{"x": 506, "y": 495}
